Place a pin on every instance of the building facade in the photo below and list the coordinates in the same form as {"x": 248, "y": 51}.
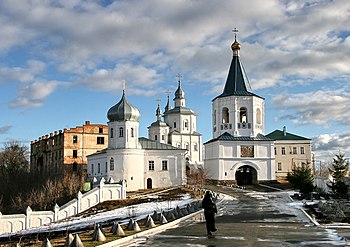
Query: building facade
{"x": 140, "y": 162}
{"x": 239, "y": 152}
{"x": 66, "y": 151}
{"x": 179, "y": 129}
{"x": 291, "y": 151}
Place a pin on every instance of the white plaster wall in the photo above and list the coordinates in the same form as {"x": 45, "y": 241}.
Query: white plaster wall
{"x": 176, "y": 173}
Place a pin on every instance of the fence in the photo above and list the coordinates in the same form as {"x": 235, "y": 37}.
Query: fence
{"x": 104, "y": 192}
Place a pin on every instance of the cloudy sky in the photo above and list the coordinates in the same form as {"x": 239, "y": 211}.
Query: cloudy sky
{"x": 63, "y": 62}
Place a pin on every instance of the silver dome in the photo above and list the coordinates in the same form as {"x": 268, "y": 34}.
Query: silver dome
{"x": 123, "y": 111}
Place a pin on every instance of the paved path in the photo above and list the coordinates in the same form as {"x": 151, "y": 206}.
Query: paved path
{"x": 248, "y": 218}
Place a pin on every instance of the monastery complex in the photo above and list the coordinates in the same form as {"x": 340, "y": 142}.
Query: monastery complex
{"x": 239, "y": 152}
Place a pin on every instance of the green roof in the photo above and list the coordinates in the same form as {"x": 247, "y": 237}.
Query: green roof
{"x": 155, "y": 145}
{"x": 228, "y": 137}
{"x": 281, "y": 135}
{"x": 237, "y": 83}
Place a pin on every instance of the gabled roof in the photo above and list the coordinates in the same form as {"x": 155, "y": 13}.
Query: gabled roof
{"x": 150, "y": 144}
{"x": 228, "y": 137}
{"x": 281, "y": 135}
{"x": 237, "y": 83}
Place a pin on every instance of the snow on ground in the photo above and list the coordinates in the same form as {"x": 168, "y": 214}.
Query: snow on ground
{"x": 122, "y": 215}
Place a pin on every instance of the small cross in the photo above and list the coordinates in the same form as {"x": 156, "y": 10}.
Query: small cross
{"x": 168, "y": 92}
{"x": 235, "y": 31}
{"x": 158, "y": 100}
{"x": 179, "y": 77}
{"x": 123, "y": 84}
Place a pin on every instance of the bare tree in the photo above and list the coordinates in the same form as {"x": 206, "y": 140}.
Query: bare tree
{"x": 198, "y": 177}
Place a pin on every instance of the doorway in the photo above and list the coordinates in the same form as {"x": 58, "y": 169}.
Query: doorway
{"x": 149, "y": 183}
{"x": 246, "y": 175}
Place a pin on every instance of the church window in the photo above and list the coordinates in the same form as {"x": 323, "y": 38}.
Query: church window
{"x": 98, "y": 168}
{"x": 111, "y": 164}
{"x": 75, "y": 139}
{"x": 214, "y": 118}
{"x": 75, "y": 153}
{"x": 174, "y": 124}
{"x": 155, "y": 137}
{"x": 294, "y": 150}
{"x": 225, "y": 115}
{"x": 164, "y": 165}
{"x": 163, "y": 137}
{"x": 258, "y": 116}
{"x": 100, "y": 140}
{"x": 100, "y": 130}
{"x": 195, "y": 147}
{"x": 92, "y": 168}
{"x": 243, "y": 115}
{"x": 106, "y": 167}
{"x": 283, "y": 151}
{"x": 275, "y": 151}
{"x": 279, "y": 166}
{"x": 112, "y": 134}
{"x": 121, "y": 132}
{"x": 132, "y": 132}
{"x": 302, "y": 150}
{"x": 186, "y": 124}
{"x": 151, "y": 165}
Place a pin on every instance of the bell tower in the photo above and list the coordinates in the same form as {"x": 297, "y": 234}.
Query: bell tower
{"x": 237, "y": 111}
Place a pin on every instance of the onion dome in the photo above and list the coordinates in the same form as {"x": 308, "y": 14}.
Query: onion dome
{"x": 235, "y": 46}
{"x": 123, "y": 111}
{"x": 179, "y": 94}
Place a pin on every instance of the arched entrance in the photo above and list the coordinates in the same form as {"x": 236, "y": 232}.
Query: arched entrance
{"x": 246, "y": 175}
{"x": 149, "y": 183}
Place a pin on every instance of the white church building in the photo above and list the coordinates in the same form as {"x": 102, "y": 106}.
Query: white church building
{"x": 160, "y": 161}
{"x": 239, "y": 151}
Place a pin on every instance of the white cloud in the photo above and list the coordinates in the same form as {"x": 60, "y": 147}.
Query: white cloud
{"x": 322, "y": 107}
{"x": 136, "y": 76}
{"x": 21, "y": 74}
{"x": 33, "y": 94}
{"x": 325, "y": 146}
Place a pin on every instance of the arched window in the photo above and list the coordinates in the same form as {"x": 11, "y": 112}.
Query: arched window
{"x": 214, "y": 118}
{"x": 112, "y": 134}
{"x": 195, "y": 147}
{"x": 187, "y": 146}
{"x": 132, "y": 132}
{"x": 98, "y": 168}
{"x": 186, "y": 124}
{"x": 92, "y": 169}
{"x": 111, "y": 164}
{"x": 243, "y": 115}
{"x": 225, "y": 115}
{"x": 121, "y": 132}
{"x": 258, "y": 116}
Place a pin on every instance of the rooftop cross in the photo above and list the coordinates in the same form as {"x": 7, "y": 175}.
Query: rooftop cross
{"x": 235, "y": 31}
{"x": 158, "y": 100}
{"x": 179, "y": 77}
{"x": 168, "y": 93}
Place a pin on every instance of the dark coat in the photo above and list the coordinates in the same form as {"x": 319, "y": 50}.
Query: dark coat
{"x": 209, "y": 212}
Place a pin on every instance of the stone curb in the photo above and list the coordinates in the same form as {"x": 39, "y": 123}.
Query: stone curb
{"x": 154, "y": 230}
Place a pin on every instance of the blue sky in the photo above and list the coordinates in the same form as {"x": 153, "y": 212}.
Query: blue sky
{"x": 63, "y": 62}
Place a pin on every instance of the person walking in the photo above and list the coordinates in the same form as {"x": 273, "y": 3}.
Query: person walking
{"x": 209, "y": 213}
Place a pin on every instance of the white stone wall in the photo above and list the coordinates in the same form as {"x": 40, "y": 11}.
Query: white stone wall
{"x": 174, "y": 175}
{"x": 18, "y": 222}
{"x": 222, "y": 159}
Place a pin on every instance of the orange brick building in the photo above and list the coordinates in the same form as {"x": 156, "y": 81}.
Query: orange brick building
{"x": 66, "y": 151}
